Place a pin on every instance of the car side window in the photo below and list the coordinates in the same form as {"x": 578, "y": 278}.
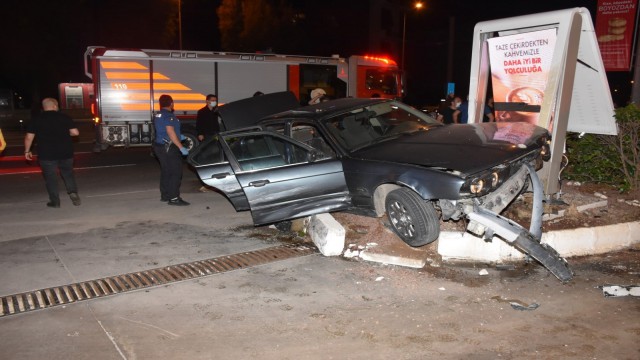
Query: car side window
{"x": 207, "y": 153}
{"x": 310, "y": 135}
{"x": 262, "y": 151}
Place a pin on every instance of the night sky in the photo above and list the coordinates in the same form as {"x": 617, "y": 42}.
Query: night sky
{"x": 47, "y": 39}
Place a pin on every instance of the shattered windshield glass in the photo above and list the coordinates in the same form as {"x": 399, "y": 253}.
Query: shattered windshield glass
{"x": 372, "y": 124}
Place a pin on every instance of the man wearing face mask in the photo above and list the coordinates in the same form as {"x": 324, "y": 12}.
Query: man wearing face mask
{"x": 207, "y": 120}
{"x": 451, "y": 113}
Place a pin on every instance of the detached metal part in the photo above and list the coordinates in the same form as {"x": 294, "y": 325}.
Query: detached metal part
{"x": 486, "y": 222}
{"x": 620, "y": 290}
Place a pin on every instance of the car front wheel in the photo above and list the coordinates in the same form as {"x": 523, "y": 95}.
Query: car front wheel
{"x": 412, "y": 218}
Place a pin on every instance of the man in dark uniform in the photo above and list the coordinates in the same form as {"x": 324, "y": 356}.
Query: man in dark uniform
{"x": 207, "y": 119}
{"x": 54, "y": 130}
{"x": 169, "y": 151}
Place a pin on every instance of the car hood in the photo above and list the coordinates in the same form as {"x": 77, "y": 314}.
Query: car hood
{"x": 466, "y": 148}
{"x": 247, "y": 112}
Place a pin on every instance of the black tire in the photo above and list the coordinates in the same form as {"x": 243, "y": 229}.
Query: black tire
{"x": 412, "y": 218}
{"x": 545, "y": 255}
{"x": 190, "y": 141}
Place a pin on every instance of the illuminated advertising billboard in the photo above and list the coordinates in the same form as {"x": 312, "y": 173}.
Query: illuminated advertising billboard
{"x": 615, "y": 24}
{"x": 520, "y": 67}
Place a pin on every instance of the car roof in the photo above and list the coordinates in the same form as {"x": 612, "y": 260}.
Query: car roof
{"x": 326, "y": 109}
{"x": 254, "y": 110}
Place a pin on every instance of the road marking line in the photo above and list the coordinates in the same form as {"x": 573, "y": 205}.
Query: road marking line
{"x": 32, "y": 170}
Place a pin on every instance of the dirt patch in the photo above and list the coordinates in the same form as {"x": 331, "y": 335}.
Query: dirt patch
{"x": 580, "y": 205}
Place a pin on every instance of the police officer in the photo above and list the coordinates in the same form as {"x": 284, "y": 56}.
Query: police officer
{"x": 169, "y": 151}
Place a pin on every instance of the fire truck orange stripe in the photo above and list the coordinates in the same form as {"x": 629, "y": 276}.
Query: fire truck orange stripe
{"x": 117, "y": 75}
{"x": 170, "y": 86}
{"x": 124, "y": 65}
{"x": 176, "y": 97}
{"x": 145, "y": 86}
{"x": 177, "y": 106}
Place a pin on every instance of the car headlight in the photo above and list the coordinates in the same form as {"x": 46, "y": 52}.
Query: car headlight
{"x": 495, "y": 179}
{"x": 476, "y": 186}
{"x": 545, "y": 152}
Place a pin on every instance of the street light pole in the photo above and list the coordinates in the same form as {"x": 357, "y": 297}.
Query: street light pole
{"x": 404, "y": 34}
{"x": 418, "y": 6}
{"x": 180, "y": 24}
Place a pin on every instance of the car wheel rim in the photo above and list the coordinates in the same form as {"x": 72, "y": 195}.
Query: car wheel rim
{"x": 401, "y": 220}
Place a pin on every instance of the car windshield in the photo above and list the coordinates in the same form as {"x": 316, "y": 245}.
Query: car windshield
{"x": 376, "y": 123}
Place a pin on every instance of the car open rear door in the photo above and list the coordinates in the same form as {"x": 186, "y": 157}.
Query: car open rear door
{"x": 284, "y": 179}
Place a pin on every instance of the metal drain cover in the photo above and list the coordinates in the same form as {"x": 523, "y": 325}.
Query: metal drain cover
{"x": 67, "y": 294}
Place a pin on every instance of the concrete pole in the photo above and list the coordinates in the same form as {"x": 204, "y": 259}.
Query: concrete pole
{"x": 635, "y": 88}
{"x": 404, "y": 34}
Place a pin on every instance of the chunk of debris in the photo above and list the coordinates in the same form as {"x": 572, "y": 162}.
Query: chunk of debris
{"x": 483, "y": 272}
{"x": 523, "y": 306}
{"x": 380, "y": 278}
{"x": 620, "y": 290}
{"x": 594, "y": 205}
{"x": 516, "y": 304}
{"x": 600, "y": 195}
{"x": 351, "y": 253}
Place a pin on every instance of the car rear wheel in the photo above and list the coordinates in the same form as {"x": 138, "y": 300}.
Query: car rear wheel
{"x": 412, "y": 218}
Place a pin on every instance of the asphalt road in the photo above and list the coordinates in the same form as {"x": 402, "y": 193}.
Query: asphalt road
{"x": 309, "y": 307}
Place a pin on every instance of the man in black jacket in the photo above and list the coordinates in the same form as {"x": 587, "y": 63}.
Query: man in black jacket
{"x": 207, "y": 120}
{"x": 53, "y": 131}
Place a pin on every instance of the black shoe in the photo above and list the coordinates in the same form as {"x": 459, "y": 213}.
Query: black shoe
{"x": 75, "y": 199}
{"x": 164, "y": 199}
{"x": 53, "y": 204}
{"x": 178, "y": 202}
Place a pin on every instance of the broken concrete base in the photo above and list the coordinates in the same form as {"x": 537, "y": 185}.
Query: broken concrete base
{"x": 400, "y": 254}
{"x": 329, "y": 237}
{"x": 327, "y": 234}
{"x": 596, "y": 240}
{"x": 574, "y": 242}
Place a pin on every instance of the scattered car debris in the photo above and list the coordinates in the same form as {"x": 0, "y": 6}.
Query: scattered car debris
{"x": 516, "y": 304}
{"x": 351, "y": 253}
{"x": 523, "y": 307}
{"x": 620, "y": 290}
{"x": 483, "y": 272}
{"x": 380, "y": 278}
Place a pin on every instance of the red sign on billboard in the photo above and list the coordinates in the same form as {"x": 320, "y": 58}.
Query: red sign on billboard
{"x": 615, "y": 24}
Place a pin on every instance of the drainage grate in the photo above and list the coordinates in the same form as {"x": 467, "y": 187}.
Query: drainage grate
{"x": 67, "y": 294}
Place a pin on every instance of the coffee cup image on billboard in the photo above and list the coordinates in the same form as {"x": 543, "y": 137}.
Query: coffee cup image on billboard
{"x": 530, "y": 96}
{"x": 615, "y": 32}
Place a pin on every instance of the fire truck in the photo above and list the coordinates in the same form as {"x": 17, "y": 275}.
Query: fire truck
{"x": 128, "y": 83}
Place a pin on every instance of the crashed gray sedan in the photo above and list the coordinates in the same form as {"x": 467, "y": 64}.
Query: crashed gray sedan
{"x": 375, "y": 157}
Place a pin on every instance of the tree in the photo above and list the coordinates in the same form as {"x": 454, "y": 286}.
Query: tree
{"x": 254, "y": 25}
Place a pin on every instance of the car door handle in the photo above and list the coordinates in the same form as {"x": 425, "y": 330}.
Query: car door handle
{"x": 259, "y": 183}
{"x": 220, "y": 175}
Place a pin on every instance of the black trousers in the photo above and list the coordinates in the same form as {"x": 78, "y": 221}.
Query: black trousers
{"x": 170, "y": 170}
{"x": 49, "y": 172}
